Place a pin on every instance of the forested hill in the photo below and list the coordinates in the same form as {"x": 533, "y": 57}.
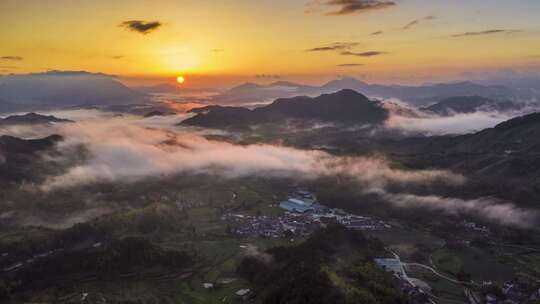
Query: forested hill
{"x": 342, "y": 107}
{"x": 335, "y": 265}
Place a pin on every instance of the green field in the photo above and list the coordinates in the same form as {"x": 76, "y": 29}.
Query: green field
{"x": 530, "y": 261}
{"x": 444, "y": 290}
{"x": 409, "y": 244}
{"x": 200, "y": 231}
{"x": 447, "y": 261}
{"x": 481, "y": 264}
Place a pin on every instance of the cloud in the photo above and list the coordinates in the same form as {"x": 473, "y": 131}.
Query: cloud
{"x": 486, "y": 32}
{"x": 345, "y": 49}
{"x": 418, "y": 21}
{"x": 350, "y": 65}
{"x": 455, "y": 124}
{"x": 12, "y": 58}
{"x": 253, "y": 251}
{"x": 377, "y": 33}
{"x": 363, "y": 54}
{"x": 267, "y": 76}
{"x": 347, "y": 7}
{"x": 217, "y": 50}
{"x": 337, "y": 46}
{"x": 142, "y": 27}
{"x": 118, "y": 57}
{"x": 411, "y": 24}
{"x": 66, "y": 220}
{"x": 125, "y": 150}
{"x": 488, "y": 208}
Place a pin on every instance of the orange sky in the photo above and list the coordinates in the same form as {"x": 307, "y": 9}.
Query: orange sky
{"x": 217, "y": 43}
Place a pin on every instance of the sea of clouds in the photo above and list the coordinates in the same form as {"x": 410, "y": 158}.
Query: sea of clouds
{"x": 130, "y": 148}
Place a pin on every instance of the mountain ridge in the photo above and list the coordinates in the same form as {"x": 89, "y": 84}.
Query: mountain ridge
{"x": 66, "y": 88}
{"x": 31, "y": 119}
{"x": 345, "y": 106}
{"x": 421, "y": 95}
{"x": 469, "y": 104}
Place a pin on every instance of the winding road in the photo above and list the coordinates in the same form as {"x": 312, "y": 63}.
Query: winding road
{"x": 437, "y": 273}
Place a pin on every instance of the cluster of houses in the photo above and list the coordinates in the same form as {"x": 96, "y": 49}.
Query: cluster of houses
{"x": 305, "y": 203}
{"x": 514, "y": 292}
{"x": 303, "y": 215}
{"x": 407, "y": 286}
{"x": 270, "y": 227}
{"x": 414, "y": 293}
{"x": 475, "y": 227}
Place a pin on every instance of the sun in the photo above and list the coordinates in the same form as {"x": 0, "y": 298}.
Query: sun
{"x": 180, "y": 79}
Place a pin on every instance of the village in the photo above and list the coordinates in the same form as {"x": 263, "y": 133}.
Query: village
{"x": 303, "y": 215}
{"x": 298, "y": 215}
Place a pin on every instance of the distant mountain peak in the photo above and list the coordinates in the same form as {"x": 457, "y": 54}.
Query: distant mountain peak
{"x": 31, "y": 119}
{"x": 158, "y": 113}
{"x": 345, "y": 83}
{"x": 348, "y": 93}
{"x": 469, "y": 104}
{"x": 67, "y": 73}
{"x": 422, "y": 95}
{"x": 247, "y": 86}
{"x": 529, "y": 119}
{"x": 343, "y": 107}
{"x": 283, "y": 83}
{"x": 11, "y": 144}
{"x": 66, "y": 88}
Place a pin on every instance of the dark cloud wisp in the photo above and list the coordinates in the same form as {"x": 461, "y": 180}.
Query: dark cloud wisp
{"x": 348, "y": 7}
{"x": 411, "y": 24}
{"x": 363, "y": 54}
{"x": 12, "y": 58}
{"x": 142, "y": 27}
{"x": 418, "y": 21}
{"x": 345, "y": 49}
{"x": 267, "y": 76}
{"x": 337, "y": 46}
{"x": 350, "y": 65}
{"x": 486, "y": 32}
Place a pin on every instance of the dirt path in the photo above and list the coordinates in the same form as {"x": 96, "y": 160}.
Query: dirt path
{"x": 437, "y": 273}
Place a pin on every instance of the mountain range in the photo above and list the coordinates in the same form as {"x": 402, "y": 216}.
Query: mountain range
{"x": 422, "y": 95}
{"x": 64, "y": 88}
{"x": 509, "y": 151}
{"x": 31, "y": 119}
{"x": 19, "y": 157}
{"x": 470, "y": 104}
{"x": 342, "y": 107}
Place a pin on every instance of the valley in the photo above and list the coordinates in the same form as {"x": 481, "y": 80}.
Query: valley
{"x": 156, "y": 206}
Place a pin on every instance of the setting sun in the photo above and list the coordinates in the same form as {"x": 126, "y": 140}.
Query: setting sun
{"x": 162, "y": 141}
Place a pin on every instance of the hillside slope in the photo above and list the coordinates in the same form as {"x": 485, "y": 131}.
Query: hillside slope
{"x": 342, "y": 107}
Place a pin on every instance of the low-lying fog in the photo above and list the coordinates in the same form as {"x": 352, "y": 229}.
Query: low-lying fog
{"x": 128, "y": 148}
{"x": 455, "y": 124}
{"x": 410, "y": 120}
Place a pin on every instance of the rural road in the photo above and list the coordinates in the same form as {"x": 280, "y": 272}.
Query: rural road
{"x": 437, "y": 273}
